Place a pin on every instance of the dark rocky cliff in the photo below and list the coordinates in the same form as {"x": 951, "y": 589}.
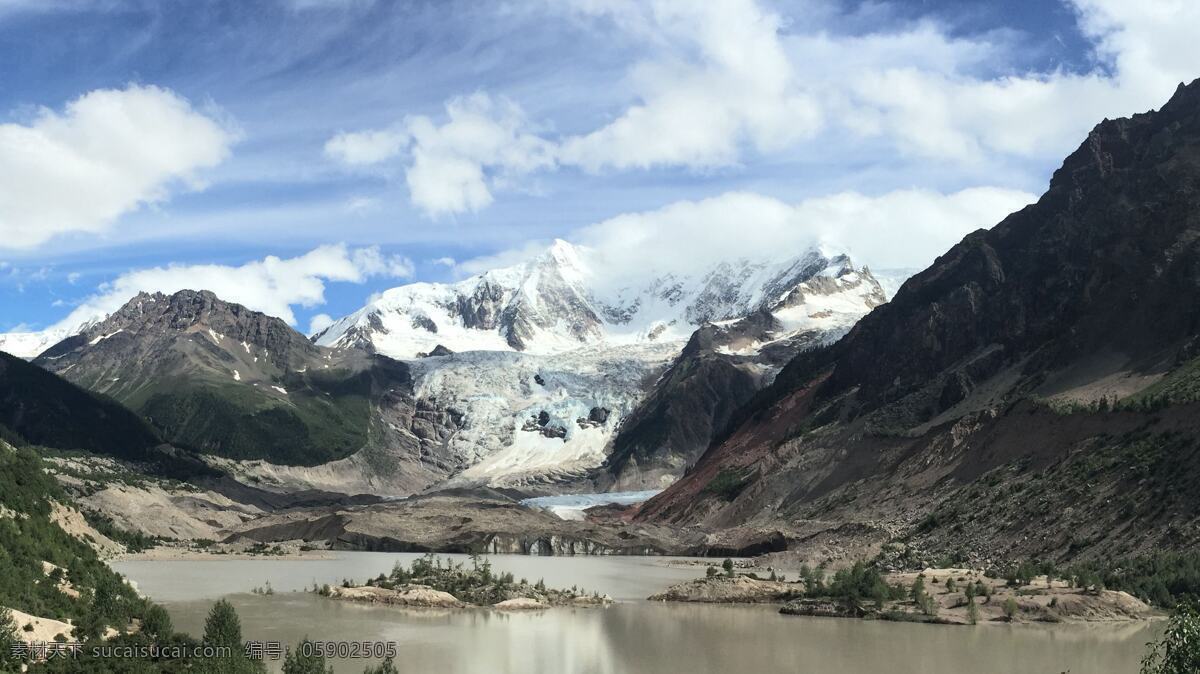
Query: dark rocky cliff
{"x": 1055, "y": 337}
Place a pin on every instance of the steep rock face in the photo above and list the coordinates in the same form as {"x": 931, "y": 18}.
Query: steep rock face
{"x": 1098, "y": 279}
{"x": 724, "y": 365}
{"x": 1088, "y": 296}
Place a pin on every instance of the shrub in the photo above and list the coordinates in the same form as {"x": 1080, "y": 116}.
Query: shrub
{"x": 1010, "y": 608}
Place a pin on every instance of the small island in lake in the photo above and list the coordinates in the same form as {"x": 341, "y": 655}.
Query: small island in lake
{"x": 431, "y": 582}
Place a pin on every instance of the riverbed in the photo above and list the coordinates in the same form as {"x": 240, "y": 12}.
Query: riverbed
{"x": 632, "y": 635}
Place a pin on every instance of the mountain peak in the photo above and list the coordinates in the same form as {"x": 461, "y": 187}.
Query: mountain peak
{"x": 565, "y": 297}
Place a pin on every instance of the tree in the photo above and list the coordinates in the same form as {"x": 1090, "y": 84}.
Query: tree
{"x": 388, "y": 666}
{"x": 223, "y": 630}
{"x": 1010, "y": 608}
{"x": 951, "y": 586}
{"x": 984, "y": 590}
{"x": 728, "y": 566}
{"x": 972, "y": 611}
{"x": 303, "y": 660}
{"x": 917, "y": 592}
{"x": 157, "y": 623}
{"x": 711, "y": 571}
{"x": 1178, "y": 652}
{"x": 223, "y": 627}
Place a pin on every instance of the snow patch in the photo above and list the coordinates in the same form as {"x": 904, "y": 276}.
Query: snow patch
{"x": 101, "y": 338}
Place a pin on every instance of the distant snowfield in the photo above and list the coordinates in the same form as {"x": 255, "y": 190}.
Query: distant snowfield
{"x": 571, "y": 506}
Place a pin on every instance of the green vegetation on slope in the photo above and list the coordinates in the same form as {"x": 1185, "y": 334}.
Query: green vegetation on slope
{"x": 315, "y": 424}
{"x": 45, "y": 409}
{"x": 1164, "y": 579}
{"x": 28, "y": 538}
{"x": 1181, "y": 385}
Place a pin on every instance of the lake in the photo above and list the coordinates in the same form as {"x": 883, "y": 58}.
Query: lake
{"x": 632, "y": 635}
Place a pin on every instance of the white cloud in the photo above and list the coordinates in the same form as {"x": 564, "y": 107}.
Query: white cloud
{"x": 944, "y": 110}
{"x": 107, "y": 153}
{"x": 454, "y": 166}
{"x": 366, "y": 148}
{"x": 319, "y": 323}
{"x": 271, "y": 285}
{"x": 360, "y": 205}
{"x": 721, "y": 79}
{"x": 445, "y": 262}
{"x": 904, "y": 229}
{"x": 718, "y": 79}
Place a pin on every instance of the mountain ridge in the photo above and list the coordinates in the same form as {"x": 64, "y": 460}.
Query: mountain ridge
{"x": 1078, "y": 304}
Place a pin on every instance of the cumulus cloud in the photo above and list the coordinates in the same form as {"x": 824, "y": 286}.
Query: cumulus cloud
{"x": 903, "y": 229}
{"x": 721, "y": 79}
{"x": 319, "y": 323}
{"x": 107, "y": 153}
{"x": 456, "y": 164}
{"x": 271, "y": 285}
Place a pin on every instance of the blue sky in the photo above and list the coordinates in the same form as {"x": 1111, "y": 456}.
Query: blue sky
{"x": 423, "y": 131}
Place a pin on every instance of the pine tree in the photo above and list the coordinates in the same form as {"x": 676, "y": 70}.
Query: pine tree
{"x": 157, "y": 623}
{"x": 223, "y": 628}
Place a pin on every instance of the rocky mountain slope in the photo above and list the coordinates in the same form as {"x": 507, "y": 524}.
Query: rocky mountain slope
{"x": 220, "y": 379}
{"x": 547, "y": 359}
{"x": 1033, "y": 392}
{"x": 724, "y": 364}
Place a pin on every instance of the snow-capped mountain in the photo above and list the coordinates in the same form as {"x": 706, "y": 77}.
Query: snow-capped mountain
{"x": 520, "y": 377}
{"x": 28, "y": 345}
{"x": 545, "y": 359}
{"x": 566, "y": 298}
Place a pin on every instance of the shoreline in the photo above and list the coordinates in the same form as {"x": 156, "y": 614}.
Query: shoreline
{"x": 169, "y": 554}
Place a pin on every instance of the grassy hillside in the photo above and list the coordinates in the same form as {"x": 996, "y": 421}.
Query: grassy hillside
{"x": 45, "y": 409}
{"x": 324, "y": 417}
